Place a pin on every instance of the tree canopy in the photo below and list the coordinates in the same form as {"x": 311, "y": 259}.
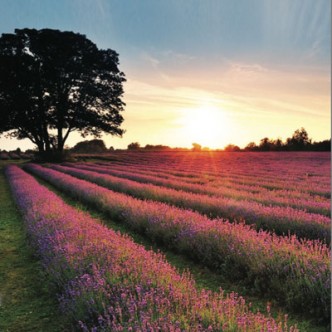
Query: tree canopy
{"x": 300, "y": 140}
{"x": 133, "y": 146}
{"x": 92, "y": 146}
{"x": 196, "y": 147}
{"x": 53, "y": 83}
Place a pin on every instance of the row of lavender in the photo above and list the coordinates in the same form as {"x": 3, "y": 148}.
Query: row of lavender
{"x": 256, "y": 194}
{"x": 303, "y": 171}
{"x": 294, "y": 272}
{"x": 108, "y": 283}
{"x": 281, "y": 220}
{"x": 279, "y": 185}
{"x": 304, "y": 180}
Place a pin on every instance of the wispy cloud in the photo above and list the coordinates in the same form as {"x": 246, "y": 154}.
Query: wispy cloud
{"x": 152, "y": 61}
{"x": 299, "y": 29}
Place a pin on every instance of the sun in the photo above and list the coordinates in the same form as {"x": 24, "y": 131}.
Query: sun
{"x": 206, "y": 125}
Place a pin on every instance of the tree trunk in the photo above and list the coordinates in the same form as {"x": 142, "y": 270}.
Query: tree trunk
{"x": 41, "y": 147}
{"x": 60, "y": 140}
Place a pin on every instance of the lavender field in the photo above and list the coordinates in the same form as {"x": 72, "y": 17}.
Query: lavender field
{"x": 259, "y": 219}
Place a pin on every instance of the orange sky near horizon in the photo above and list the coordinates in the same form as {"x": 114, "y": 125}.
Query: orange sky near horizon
{"x": 247, "y": 103}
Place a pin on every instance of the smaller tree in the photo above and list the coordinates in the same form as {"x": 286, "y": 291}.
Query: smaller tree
{"x": 92, "y": 146}
{"x": 232, "y": 148}
{"x": 251, "y": 147}
{"x": 134, "y": 146}
{"x": 265, "y": 144}
{"x": 278, "y": 144}
{"x": 299, "y": 141}
{"x": 196, "y": 147}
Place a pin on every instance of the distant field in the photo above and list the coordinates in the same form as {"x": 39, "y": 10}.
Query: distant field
{"x": 15, "y": 156}
{"x": 259, "y": 220}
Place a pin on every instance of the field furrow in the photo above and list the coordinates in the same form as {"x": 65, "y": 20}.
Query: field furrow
{"x": 109, "y": 283}
{"x": 222, "y": 183}
{"x": 294, "y": 272}
{"x": 297, "y": 172}
{"x": 298, "y": 184}
{"x": 264, "y": 197}
{"x": 281, "y": 220}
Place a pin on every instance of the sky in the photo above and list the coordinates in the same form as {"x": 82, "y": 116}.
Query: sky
{"x": 213, "y": 72}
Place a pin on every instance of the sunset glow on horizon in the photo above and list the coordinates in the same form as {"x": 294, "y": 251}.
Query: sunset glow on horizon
{"x": 214, "y": 73}
{"x": 206, "y": 124}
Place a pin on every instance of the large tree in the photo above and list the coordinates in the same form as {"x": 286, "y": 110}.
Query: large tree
{"x": 53, "y": 83}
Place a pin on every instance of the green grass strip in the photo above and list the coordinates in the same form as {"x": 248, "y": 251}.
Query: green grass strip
{"x": 27, "y": 303}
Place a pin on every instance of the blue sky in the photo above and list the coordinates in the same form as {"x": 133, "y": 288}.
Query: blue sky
{"x": 256, "y": 67}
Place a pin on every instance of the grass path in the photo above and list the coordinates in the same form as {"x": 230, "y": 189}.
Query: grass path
{"x": 27, "y": 302}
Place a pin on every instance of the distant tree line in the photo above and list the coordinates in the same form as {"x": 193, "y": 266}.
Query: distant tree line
{"x": 149, "y": 147}
{"x": 299, "y": 141}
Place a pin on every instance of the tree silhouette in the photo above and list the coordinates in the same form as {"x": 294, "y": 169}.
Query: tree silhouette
{"x": 53, "y": 83}
{"x": 265, "y": 144}
{"x": 299, "y": 141}
{"x": 133, "y": 146}
{"x": 196, "y": 147}
{"x": 92, "y": 146}
{"x": 251, "y": 147}
{"x": 278, "y": 145}
{"x": 232, "y": 148}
